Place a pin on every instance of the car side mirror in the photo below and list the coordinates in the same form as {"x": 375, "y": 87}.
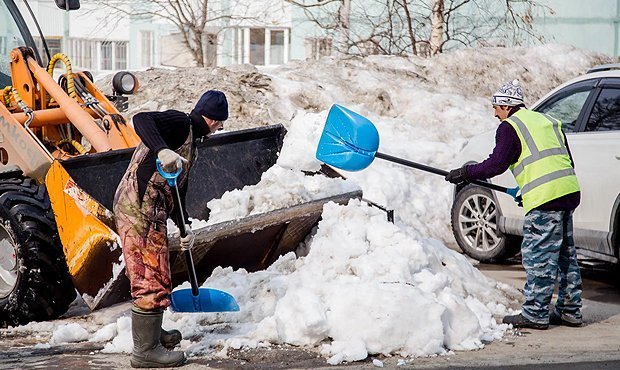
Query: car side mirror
{"x": 73, "y": 4}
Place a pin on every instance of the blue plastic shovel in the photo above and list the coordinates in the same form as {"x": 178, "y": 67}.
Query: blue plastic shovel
{"x": 195, "y": 299}
{"x": 350, "y": 142}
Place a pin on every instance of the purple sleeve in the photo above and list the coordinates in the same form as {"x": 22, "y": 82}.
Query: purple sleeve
{"x": 506, "y": 152}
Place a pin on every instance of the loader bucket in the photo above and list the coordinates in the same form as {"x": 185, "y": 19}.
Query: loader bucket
{"x": 225, "y": 162}
{"x": 91, "y": 246}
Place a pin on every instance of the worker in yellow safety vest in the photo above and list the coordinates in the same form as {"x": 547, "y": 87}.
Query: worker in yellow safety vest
{"x": 533, "y": 146}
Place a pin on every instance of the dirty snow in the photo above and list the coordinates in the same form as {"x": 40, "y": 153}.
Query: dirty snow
{"x": 366, "y": 286}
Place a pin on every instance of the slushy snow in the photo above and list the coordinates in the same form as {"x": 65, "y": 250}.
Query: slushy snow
{"x": 366, "y": 286}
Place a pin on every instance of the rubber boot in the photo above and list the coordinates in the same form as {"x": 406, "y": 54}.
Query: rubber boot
{"x": 170, "y": 338}
{"x": 147, "y": 350}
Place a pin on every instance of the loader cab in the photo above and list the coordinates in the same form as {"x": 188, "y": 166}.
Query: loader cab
{"x": 13, "y": 33}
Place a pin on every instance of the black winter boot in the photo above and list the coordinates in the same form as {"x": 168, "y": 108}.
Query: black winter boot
{"x": 518, "y": 321}
{"x": 147, "y": 350}
{"x": 170, "y": 338}
{"x": 562, "y": 319}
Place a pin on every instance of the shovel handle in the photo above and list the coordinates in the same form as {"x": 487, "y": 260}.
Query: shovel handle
{"x": 510, "y": 191}
{"x": 171, "y": 177}
{"x": 189, "y": 260}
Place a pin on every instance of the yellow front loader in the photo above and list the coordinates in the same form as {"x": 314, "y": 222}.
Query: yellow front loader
{"x": 48, "y": 248}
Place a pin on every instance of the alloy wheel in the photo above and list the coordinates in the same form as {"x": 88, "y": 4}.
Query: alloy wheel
{"x": 477, "y": 221}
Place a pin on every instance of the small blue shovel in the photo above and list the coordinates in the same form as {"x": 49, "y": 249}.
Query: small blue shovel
{"x": 350, "y": 142}
{"x": 195, "y": 299}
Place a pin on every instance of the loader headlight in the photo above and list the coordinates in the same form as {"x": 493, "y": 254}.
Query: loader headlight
{"x": 124, "y": 83}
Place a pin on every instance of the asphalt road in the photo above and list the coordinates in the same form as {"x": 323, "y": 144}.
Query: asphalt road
{"x": 596, "y": 345}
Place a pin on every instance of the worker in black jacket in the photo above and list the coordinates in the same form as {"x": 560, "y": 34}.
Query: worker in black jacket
{"x": 142, "y": 205}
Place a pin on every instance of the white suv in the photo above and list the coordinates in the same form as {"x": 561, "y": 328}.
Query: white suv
{"x": 488, "y": 226}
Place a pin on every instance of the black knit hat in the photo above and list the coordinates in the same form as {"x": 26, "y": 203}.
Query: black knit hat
{"x": 213, "y": 104}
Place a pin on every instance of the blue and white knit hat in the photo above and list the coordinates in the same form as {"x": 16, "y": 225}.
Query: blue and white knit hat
{"x": 509, "y": 94}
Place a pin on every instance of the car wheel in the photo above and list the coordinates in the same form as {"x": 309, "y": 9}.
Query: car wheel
{"x": 474, "y": 223}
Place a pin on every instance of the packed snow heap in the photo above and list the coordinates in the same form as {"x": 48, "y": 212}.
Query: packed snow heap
{"x": 359, "y": 285}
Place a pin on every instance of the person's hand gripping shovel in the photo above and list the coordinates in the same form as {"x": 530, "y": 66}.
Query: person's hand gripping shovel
{"x": 194, "y": 299}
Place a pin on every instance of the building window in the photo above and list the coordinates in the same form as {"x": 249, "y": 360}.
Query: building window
{"x": 54, "y": 45}
{"x": 317, "y": 47}
{"x": 238, "y": 45}
{"x": 257, "y": 46}
{"x": 146, "y": 48}
{"x": 211, "y": 52}
{"x": 260, "y": 46}
{"x": 120, "y": 48}
{"x": 86, "y": 60}
{"x": 106, "y": 55}
{"x": 277, "y": 47}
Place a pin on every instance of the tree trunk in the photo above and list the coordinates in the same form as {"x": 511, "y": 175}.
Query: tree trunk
{"x": 436, "y": 40}
{"x": 198, "y": 51}
{"x": 412, "y": 37}
{"x": 342, "y": 38}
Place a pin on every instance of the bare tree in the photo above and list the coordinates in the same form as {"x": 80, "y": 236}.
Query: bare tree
{"x": 409, "y": 27}
{"x": 193, "y": 19}
{"x": 344, "y": 23}
{"x": 436, "y": 39}
{"x": 332, "y": 16}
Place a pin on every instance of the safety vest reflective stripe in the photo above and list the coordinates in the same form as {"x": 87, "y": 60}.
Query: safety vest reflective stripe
{"x": 543, "y": 170}
{"x": 531, "y": 145}
{"x": 556, "y": 128}
{"x": 542, "y": 154}
{"x": 546, "y": 178}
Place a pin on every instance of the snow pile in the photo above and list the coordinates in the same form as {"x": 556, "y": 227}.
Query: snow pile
{"x": 248, "y": 91}
{"x": 425, "y": 109}
{"x": 285, "y": 184}
{"x": 365, "y": 287}
{"x": 385, "y": 85}
{"x": 279, "y": 187}
{"x": 69, "y": 333}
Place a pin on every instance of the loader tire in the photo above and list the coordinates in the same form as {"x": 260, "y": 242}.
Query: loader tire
{"x": 35, "y": 284}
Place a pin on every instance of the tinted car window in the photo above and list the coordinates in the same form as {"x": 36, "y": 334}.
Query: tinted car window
{"x": 605, "y": 114}
{"x": 566, "y": 104}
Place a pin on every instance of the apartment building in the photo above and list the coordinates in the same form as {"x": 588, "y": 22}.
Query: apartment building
{"x": 95, "y": 38}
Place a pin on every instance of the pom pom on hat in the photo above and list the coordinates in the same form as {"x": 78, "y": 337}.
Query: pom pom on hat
{"x": 509, "y": 94}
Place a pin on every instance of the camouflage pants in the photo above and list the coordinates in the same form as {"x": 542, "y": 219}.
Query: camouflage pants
{"x": 548, "y": 250}
{"x": 143, "y": 232}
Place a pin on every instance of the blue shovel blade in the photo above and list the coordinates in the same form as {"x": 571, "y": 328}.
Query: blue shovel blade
{"x": 349, "y": 141}
{"x": 207, "y": 300}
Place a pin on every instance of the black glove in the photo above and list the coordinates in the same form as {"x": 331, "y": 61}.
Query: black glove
{"x": 458, "y": 175}
{"x": 519, "y": 201}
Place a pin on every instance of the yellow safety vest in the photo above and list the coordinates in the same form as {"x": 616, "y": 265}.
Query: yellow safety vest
{"x": 543, "y": 170}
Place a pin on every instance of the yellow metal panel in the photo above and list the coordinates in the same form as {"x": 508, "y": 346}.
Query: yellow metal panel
{"x": 92, "y": 248}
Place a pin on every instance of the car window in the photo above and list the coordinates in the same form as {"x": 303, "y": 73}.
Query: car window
{"x": 568, "y": 103}
{"x": 605, "y": 114}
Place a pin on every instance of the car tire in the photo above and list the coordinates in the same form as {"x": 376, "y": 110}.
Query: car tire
{"x": 35, "y": 284}
{"x": 474, "y": 218}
